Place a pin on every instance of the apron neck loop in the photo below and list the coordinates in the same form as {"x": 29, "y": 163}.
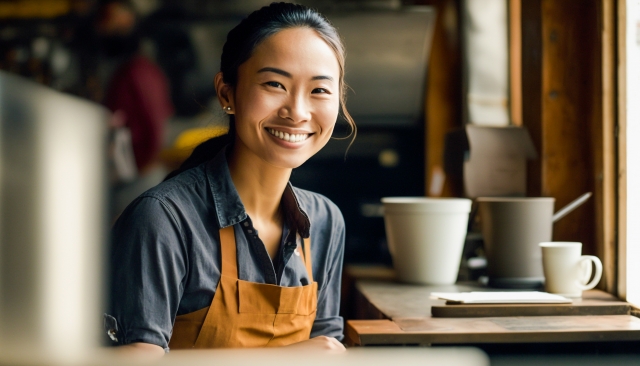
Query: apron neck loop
{"x": 228, "y": 252}
{"x": 230, "y": 260}
{"x": 306, "y": 255}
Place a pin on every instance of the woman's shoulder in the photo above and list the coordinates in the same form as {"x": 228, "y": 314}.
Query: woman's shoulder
{"x": 184, "y": 183}
{"x": 169, "y": 198}
{"x": 167, "y": 205}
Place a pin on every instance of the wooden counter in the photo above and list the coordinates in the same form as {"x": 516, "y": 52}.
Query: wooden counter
{"x": 396, "y": 313}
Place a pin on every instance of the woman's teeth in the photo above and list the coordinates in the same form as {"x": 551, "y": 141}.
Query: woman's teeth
{"x": 287, "y": 137}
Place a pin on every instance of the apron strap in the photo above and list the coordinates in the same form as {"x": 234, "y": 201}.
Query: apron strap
{"x": 228, "y": 252}
{"x": 306, "y": 256}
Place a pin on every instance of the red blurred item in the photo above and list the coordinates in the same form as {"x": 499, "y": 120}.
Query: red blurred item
{"x": 140, "y": 91}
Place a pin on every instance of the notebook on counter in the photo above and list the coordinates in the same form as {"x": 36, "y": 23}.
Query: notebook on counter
{"x": 515, "y": 297}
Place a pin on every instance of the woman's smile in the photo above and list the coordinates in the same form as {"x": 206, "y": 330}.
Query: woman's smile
{"x": 288, "y": 137}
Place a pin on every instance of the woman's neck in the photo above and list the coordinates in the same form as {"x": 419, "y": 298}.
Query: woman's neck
{"x": 259, "y": 184}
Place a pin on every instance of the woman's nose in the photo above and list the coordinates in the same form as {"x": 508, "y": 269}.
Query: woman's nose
{"x": 296, "y": 109}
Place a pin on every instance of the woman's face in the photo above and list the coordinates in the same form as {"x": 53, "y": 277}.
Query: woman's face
{"x": 286, "y": 101}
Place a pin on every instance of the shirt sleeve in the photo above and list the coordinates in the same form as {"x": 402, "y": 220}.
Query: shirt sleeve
{"x": 328, "y": 321}
{"x": 147, "y": 271}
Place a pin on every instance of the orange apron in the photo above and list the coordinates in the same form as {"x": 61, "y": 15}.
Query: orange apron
{"x": 248, "y": 314}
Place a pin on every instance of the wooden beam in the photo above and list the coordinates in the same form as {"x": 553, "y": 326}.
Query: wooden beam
{"x": 622, "y": 148}
{"x": 515, "y": 62}
{"x": 532, "y": 87}
{"x": 561, "y": 75}
{"x": 444, "y": 93}
{"x": 604, "y": 142}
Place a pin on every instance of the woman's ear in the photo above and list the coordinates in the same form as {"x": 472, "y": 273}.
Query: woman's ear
{"x": 225, "y": 94}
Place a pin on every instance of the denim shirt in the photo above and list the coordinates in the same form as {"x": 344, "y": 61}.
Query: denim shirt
{"x": 165, "y": 253}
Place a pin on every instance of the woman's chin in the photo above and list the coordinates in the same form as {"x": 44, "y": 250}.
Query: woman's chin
{"x": 289, "y": 163}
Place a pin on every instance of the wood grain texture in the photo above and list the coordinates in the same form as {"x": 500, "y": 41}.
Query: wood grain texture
{"x": 592, "y": 303}
{"x": 399, "y": 300}
{"x": 532, "y": 88}
{"x": 443, "y": 102}
{"x": 570, "y": 78}
{"x": 605, "y": 154}
{"x": 622, "y": 148}
{"x": 562, "y": 80}
{"x": 393, "y": 300}
{"x": 494, "y": 330}
{"x": 403, "y": 316}
{"x": 515, "y": 61}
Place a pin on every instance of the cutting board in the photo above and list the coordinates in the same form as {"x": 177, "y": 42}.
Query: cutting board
{"x": 594, "y": 302}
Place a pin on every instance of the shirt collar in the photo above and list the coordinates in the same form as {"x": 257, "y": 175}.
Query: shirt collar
{"x": 229, "y": 207}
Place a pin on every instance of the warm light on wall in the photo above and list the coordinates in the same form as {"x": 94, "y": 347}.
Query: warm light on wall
{"x": 34, "y": 8}
{"x": 632, "y": 151}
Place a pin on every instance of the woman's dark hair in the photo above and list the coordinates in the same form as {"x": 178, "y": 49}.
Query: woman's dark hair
{"x": 240, "y": 45}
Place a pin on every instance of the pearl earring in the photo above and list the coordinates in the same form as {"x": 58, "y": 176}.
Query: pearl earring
{"x": 227, "y": 108}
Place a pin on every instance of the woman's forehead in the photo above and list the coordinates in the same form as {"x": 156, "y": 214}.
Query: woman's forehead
{"x": 298, "y": 51}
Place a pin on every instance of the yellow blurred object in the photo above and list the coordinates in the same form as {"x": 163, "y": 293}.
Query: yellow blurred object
{"x": 34, "y": 8}
{"x": 186, "y": 142}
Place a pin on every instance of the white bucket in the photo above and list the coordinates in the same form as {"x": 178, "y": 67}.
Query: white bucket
{"x": 426, "y": 237}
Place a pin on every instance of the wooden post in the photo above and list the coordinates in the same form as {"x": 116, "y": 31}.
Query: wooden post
{"x": 563, "y": 109}
{"x": 622, "y": 148}
{"x": 444, "y": 92}
{"x": 515, "y": 62}
{"x": 605, "y": 152}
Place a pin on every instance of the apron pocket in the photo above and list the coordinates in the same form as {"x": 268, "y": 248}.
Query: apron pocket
{"x": 261, "y": 298}
{"x": 258, "y": 298}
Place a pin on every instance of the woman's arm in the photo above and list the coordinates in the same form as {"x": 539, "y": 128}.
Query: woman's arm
{"x": 147, "y": 268}
{"x": 329, "y": 252}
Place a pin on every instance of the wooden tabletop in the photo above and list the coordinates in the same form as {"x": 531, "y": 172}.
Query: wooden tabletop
{"x": 425, "y": 331}
{"x": 402, "y": 314}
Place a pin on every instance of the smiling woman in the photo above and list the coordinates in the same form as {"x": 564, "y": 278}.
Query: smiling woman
{"x": 225, "y": 252}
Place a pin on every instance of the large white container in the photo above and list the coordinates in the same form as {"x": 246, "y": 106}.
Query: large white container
{"x": 426, "y": 237}
{"x": 52, "y": 222}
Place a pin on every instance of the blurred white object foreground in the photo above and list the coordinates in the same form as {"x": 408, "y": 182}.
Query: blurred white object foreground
{"x": 365, "y": 356}
{"x": 52, "y": 223}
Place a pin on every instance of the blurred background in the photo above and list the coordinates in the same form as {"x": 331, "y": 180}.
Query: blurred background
{"x": 112, "y": 95}
{"x": 152, "y": 63}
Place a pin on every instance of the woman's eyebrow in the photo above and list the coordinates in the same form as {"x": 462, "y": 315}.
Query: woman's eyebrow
{"x": 322, "y": 77}
{"x": 275, "y": 70}
{"x": 288, "y": 75}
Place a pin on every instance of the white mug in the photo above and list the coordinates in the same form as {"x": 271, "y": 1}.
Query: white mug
{"x": 566, "y": 271}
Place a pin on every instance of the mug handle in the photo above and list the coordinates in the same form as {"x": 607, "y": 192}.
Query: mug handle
{"x": 596, "y": 278}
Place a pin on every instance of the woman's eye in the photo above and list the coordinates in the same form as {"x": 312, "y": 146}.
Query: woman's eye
{"x": 274, "y": 84}
{"x": 320, "y": 91}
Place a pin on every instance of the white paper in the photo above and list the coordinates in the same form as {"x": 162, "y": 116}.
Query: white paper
{"x": 516, "y": 297}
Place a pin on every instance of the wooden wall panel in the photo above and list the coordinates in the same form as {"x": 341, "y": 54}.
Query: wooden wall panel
{"x": 570, "y": 79}
{"x": 622, "y": 147}
{"x": 563, "y": 111}
{"x": 532, "y": 87}
{"x": 604, "y": 143}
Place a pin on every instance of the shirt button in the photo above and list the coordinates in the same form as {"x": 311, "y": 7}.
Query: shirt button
{"x": 246, "y": 224}
{"x": 250, "y": 231}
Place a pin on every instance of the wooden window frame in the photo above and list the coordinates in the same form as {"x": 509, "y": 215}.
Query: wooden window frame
{"x": 565, "y": 89}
